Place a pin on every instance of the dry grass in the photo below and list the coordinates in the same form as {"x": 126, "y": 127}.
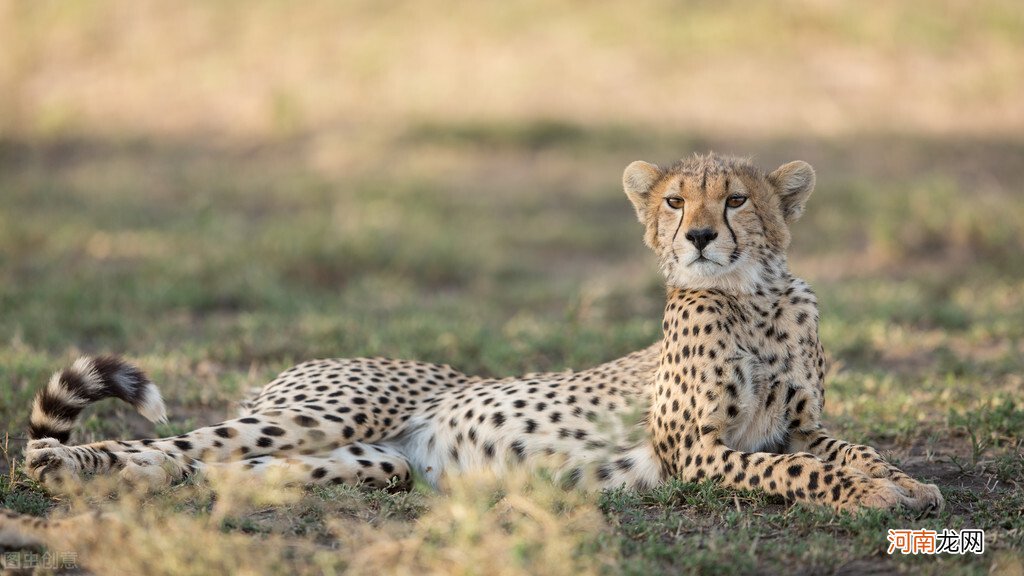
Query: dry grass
{"x": 224, "y": 524}
{"x": 220, "y": 190}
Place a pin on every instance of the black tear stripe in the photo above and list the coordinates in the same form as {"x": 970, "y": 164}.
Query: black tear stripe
{"x": 735, "y": 244}
{"x": 672, "y": 245}
{"x": 678, "y": 226}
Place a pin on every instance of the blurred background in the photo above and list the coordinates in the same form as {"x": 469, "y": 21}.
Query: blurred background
{"x": 218, "y": 189}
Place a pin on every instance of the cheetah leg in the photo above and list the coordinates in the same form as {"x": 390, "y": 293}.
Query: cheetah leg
{"x": 58, "y": 467}
{"x": 369, "y": 465}
{"x": 259, "y": 434}
{"x": 867, "y": 460}
{"x": 801, "y": 477}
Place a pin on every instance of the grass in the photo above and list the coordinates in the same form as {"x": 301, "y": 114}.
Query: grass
{"x": 215, "y": 293}
{"x": 222, "y": 231}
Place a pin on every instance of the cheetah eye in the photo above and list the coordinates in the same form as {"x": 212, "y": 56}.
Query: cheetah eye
{"x": 674, "y": 202}
{"x": 735, "y": 201}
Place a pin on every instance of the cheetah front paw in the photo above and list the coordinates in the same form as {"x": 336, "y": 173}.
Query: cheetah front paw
{"x": 880, "y": 493}
{"x": 886, "y": 494}
{"x": 922, "y": 497}
{"x": 857, "y": 491}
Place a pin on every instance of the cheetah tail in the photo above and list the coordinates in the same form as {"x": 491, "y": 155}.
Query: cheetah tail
{"x": 56, "y": 407}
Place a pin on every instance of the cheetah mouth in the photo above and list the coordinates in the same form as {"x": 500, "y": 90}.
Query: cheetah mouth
{"x": 701, "y": 258}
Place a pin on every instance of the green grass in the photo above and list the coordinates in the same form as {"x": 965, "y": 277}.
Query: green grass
{"x": 228, "y": 269}
{"x": 759, "y": 534}
{"x": 349, "y": 180}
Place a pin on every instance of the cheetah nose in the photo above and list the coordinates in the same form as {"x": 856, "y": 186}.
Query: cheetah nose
{"x": 701, "y": 237}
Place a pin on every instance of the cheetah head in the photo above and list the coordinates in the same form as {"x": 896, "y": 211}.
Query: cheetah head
{"x": 718, "y": 222}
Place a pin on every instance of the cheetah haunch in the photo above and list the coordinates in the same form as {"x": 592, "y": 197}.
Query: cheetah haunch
{"x": 733, "y": 392}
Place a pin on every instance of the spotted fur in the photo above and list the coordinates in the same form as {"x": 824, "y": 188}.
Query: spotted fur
{"x": 733, "y": 392}
{"x": 739, "y": 389}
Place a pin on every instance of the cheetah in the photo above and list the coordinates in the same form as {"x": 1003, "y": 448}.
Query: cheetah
{"x": 739, "y": 389}
{"x": 733, "y": 392}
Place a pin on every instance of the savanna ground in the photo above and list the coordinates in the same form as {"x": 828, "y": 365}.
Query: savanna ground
{"x": 218, "y": 192}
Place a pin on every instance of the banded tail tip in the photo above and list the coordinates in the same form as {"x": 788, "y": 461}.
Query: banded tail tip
{"x": 129, "y": 383}
{"x": 56, "y": 408}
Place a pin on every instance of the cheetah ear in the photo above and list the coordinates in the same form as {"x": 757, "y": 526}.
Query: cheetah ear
{"x": 638, "y": 180}
{"x": 794, "y": 182}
